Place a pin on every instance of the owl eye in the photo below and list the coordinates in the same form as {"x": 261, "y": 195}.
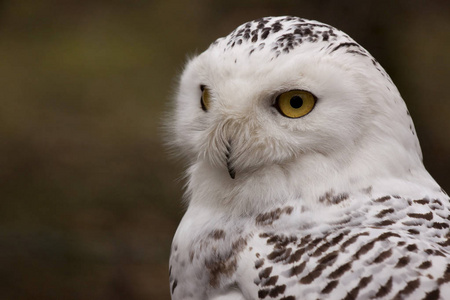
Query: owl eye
{"x": 295, "y": 104}
{"x": 206, "y": 98}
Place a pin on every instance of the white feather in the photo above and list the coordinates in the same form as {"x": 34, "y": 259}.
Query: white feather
{"x": 306, "y": 175}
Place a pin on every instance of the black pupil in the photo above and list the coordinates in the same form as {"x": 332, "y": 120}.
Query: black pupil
{"x": 296, "y": 102}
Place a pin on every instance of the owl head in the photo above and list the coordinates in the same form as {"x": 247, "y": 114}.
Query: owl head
{"x": 286, "y": 108}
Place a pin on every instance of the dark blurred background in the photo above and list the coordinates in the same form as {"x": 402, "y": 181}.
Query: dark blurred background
{"x": 89, "y": 200}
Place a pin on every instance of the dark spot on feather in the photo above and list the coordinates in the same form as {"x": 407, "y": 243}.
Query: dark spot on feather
{"x": 439, "y": 225}
{"x": 277, "y": 27}
{"x": 313, "y": 243}
{"x": 296, "y": 255}
{"x": 265, "y": 273}
{"x": 364, "y": 249}
{"x": 384, "y": 289}
{"x": 295, "y": 270}
{"x": 387, "y": 235}
{"x": 411, "y": 247}
{"x": 220, "y": 267}
{"x": 343, "y": 221}
{"x": 436, "y": 201}
{"x": 446, "y": 277}
{"x": 263, "y": 293}
{"x": 382, "y": 199}
{"x": 330, "y": 286}
{"x": 304, "y": 240}
{"x": 279, "y": 289}
{"x": 340, "y": 271}
{"x": 279, "y": 254}
{"x": 364, "y": 281}
{"x": 446, "y": 243}
{"x": 403, "y": 261}
{"x": 352, "y": 294}
{"x": 385, "y": 223}
{"x": 329, "y": 198}
{"x": 259, "y": 263}
{"x": 265, "y": 33}
{"x": 422, "y": 201}
{"x": 384, "y": 212}
{"x": 433, "y": 295}
{"x": 225, "y": 264}
{"x": 239, "y": 245}
{"x": 382, "y": 256}
{"x": 425, "y": 265}
{"x": 311, "y": 276}
{"x": 352, "y": 240}
{"x": 271, "y": 281}
{"x": 361, "y": 285}
{"x": 345, "y": 45}
{"x": 339, "y": 238}
{"x": 269, "y": 217}
{"x": 329, "y": 259}
{"x": 281, "y": 240}
{"x": 273, "y": 239}
{"x": 427, "y": 216}
{"x": 217, "y": 234}
{"x": 321, "y": 249}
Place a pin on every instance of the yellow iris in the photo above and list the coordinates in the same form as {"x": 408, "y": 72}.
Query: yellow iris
{"x": 295, "y": 104}
{"x": 205, "y": 100}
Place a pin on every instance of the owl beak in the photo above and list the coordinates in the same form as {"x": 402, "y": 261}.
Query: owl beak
{"x": 231, "y": 170}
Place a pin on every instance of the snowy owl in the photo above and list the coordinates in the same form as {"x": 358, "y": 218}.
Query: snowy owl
{"x": 305, "y": 177}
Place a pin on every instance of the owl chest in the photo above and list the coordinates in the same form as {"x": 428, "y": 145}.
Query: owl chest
{"x": 204, "y": 258}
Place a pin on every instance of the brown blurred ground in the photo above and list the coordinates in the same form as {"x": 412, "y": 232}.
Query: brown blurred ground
{"x": 88, "y": 199}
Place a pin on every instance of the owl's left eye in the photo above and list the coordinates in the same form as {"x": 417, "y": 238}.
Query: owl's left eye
{"x": 295, "y": 103}
{"x": 205, "y": 98}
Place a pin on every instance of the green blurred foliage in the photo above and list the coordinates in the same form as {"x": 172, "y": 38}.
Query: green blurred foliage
{"x": 89, "y": 198}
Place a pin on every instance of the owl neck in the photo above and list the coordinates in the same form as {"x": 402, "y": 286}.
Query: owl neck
{"x": 373, "y": 170}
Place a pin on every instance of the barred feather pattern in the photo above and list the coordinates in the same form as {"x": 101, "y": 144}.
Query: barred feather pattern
{"x": 389, "y": 247}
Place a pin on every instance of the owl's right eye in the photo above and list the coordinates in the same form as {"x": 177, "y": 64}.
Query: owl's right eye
{"x": 206, "y": 98}
{"x": 295, "y": 104}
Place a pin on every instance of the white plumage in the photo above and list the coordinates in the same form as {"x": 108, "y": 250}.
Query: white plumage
{"x": 305, "y": 176}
